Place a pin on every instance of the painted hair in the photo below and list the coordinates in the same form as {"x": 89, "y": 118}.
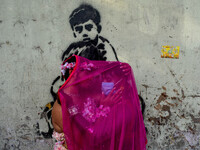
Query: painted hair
{"x": 84, "y": 13}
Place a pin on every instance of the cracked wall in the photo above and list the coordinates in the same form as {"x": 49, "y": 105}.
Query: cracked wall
{"x": 35, "y": 33}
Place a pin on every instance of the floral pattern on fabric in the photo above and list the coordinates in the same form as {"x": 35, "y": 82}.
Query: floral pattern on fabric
{"x": 73, "y": 110}
{"x": 60, "y": 138}
{"x": 86, "y": 66}
{"x": 91, "y": 112}
{"x": 66, "y": 66}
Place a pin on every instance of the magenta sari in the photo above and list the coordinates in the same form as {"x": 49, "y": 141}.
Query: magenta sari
{"x": 92, "y": 119}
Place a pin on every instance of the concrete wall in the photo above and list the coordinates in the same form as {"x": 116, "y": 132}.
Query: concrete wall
{"x": 33, "y": 35}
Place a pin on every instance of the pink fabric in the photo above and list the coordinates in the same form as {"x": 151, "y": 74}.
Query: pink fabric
{"x": 92, "y": 120}
{"x": 60, "y": 141}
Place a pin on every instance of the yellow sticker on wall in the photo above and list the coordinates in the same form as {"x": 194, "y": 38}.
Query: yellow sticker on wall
{"x": 170, "y": 52}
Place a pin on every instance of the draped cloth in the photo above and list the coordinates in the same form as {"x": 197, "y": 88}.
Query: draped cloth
{"x": 92, "y": 119}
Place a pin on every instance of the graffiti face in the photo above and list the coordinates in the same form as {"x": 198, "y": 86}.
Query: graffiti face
{"x": 86, "y": 31}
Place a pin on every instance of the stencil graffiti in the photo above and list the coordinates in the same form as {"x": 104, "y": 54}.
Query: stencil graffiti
{"x": 85, "y": 22}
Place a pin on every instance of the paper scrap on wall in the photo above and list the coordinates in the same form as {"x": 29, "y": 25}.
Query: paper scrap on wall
{"x": 170, "y": 52}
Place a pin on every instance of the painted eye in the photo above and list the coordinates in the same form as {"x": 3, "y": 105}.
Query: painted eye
{"x": 88, "y": 27}
{"x": 79, "y": 29}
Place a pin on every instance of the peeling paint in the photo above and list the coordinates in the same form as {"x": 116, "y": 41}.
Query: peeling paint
{"x": 162, "y": 97}
{"x": 195, "y": 120}
{"x": 170, "y": 87}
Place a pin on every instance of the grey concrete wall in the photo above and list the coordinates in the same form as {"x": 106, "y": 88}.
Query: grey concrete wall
{"x": 33, "y": 35}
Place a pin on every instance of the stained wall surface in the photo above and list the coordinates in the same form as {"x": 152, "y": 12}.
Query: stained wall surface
{"x": 34, "y": 34}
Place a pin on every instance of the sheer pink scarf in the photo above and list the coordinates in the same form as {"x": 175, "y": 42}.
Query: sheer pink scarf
{"x": 100, "y": 108}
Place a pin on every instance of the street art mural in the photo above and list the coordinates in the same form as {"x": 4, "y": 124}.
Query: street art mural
{"x": 85, "y": 22}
